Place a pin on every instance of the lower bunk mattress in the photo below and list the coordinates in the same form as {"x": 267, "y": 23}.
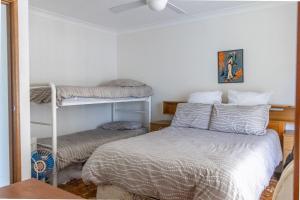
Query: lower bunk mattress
{"x": 78, "y": 147}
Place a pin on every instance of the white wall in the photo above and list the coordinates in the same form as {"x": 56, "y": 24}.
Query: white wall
{"x": 24, "y": 88}
{"x": 181, "y": 59}
{"x": 175, "y": 60}
{"x": 4, "y": 122}
{"x": 70, "y": 53}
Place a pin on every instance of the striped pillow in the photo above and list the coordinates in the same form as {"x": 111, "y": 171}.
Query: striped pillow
{"x": 252, "y": 120}
{"x": 192, "y": 115}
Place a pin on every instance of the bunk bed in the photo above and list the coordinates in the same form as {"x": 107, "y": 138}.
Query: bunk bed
{"x": 66, "y": 96}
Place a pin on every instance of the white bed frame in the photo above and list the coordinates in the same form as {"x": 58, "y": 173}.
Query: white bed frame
{"x": 87, "y": 101}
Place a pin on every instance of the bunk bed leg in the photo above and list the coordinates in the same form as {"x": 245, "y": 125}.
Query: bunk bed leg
{"x": 113, "y": 112}
{"x": 54, "y": 131}
{"x": 149, "y": 113}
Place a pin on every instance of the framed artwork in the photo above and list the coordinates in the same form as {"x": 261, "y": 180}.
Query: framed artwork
{"x": 230, "y": 66}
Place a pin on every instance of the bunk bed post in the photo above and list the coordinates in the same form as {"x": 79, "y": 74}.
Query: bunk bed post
{"x": 113, "y": 112}
{"x": 54, "y": 130}
{"x": 149, "y": 113}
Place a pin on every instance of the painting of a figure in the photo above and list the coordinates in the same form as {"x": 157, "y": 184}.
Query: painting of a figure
{"x": 230, "y": 66}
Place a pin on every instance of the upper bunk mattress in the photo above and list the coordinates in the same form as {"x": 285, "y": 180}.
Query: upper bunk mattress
{"x": 43, "y": 95}
{"x": 187, "y": 164}
{"x": 78, "y": 147}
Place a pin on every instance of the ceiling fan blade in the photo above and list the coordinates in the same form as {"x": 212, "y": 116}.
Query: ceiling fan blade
{"x": 175, "y": 8}
{"x": 128, "y": 6}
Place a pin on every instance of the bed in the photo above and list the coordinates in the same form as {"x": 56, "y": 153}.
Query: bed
{"x": 112, "y": 93}
{"x": 76, "y": 148}
{"x": 187, "y": 163}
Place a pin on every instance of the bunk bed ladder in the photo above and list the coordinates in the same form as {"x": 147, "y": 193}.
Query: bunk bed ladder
{"x": 54, "y": 132}
{"x": 53, "y": 124}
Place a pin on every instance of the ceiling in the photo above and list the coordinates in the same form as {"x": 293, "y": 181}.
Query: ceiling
{"x": 97, "y": 12}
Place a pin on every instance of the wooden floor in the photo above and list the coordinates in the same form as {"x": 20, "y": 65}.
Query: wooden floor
{"x": 77, "y": 187}
{"x": 268, "y": 192}
{"x": 89, "y": 191}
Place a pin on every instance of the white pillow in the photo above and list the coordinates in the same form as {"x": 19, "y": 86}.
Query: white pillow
{"x": 211, "y": 97}
{"x": 248, "y": 98}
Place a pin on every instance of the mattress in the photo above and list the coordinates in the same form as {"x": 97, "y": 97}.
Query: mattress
{"x": 78, "y": 147}
{"x": 43, "y": 95}
{"x": 187, "y": 163}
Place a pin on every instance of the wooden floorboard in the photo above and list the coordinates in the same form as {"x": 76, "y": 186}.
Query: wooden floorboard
{"x": 77, "y": 187}
{"x": 268, "y": 192}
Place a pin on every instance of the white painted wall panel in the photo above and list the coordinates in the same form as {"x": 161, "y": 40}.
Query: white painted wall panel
{"x": 69, "y": 53}
{"x": 181, "y": 59}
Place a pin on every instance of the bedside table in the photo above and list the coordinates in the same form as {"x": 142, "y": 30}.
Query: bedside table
{"x": 288, "y": 143}
{"x": 157, "y": 125}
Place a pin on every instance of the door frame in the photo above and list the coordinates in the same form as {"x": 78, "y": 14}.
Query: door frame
{"x": 297, "y": 117}
{"x": 13, "y": 79}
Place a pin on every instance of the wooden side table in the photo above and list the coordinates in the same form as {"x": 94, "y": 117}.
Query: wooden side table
{"x": 288, "y": 143}
{"x": 157, "y": 125}
{"x": 34, "y": 189}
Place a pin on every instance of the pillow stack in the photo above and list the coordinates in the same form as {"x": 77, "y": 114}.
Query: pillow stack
{"x": 246, "y": 113}
{"x": 196, "y": 113}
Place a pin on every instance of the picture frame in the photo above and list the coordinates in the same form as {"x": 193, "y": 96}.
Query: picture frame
{"x": 231, "y": 66}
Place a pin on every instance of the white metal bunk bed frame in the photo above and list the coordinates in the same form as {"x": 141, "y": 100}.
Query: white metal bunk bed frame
{"x": 92, "y": 101}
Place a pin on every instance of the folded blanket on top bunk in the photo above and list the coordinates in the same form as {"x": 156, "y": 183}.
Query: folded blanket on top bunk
{"x": 120, "y": 88}
{"x": 43, "y": 95}
{"x": 78, "y": 147}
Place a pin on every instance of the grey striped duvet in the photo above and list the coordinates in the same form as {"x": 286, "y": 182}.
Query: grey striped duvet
{"x": 187, "y": 164}
{"x": 78, "y": 147}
